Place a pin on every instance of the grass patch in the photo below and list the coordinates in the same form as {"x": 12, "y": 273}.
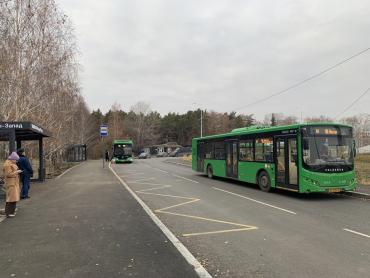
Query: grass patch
{"x": 362, "y": 163}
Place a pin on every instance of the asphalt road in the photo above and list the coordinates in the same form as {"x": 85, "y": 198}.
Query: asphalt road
{"x": 85, "y": 224}
{"x": 235, "y": 230}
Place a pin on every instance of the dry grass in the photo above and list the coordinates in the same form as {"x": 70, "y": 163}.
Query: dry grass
{"x": 187, "y": 158}
{"x": 362, "y": 163}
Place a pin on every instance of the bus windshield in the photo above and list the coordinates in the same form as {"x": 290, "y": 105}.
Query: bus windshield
{"x": 122, "y": 149}
{"x": 328, "y": 148}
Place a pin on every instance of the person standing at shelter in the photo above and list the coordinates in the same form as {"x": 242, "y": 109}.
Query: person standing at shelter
{"x": 106, "y": 155}
{"x": 27, "y": 172}
{"x": 11, "y": 178}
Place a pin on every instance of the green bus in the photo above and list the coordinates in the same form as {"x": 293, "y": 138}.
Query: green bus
{"x": 317, "y": 157}
{"x": 122, "y": 151}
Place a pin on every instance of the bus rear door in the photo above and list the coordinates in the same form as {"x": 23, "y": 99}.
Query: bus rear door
{"x": 286, "y": 161}
{"x": 200, "y": 156}
{"x": 232, "y": 159}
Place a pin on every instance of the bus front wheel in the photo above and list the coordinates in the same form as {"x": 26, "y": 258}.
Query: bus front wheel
{"x": 209, "y": 171}
{"x": 264, "y": 181}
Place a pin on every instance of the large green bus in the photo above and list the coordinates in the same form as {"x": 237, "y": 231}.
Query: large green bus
{"x": 317, "y": 157}
{"x": 122, "y": 151}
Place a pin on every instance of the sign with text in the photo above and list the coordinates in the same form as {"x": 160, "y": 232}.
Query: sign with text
{"x": 103, "y": 130}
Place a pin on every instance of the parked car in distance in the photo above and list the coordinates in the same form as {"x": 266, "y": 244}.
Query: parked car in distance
{"x": 183, "y": 151}
{"x": 162, "y": 154}
{"x": 144, "y": 155}
{"x": 173, "y": 153}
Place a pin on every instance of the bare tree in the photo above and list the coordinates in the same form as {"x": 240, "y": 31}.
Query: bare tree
{"x": 39, "y": 72}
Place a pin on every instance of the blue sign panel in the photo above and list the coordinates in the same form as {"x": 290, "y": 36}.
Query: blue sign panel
{"x": 103, "y": 130}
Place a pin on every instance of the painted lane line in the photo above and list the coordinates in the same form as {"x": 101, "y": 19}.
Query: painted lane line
{"x": 69, "y": 169}
{"x": 189, "y": 201}
{"x": 193, "y": 200}
{"x": 143, "y": 179}
{"x": 254, "y": 200}
{"x": 184, "y": 178}
{"x": 177, "y": 163}
{"x": 160, "y": 170}
{"x": 133, "y": 174}
{"x": 155, "y": 188}
{"x": 148, "y": 183}
{"x": 220, "y": 232}
{"x": 199, "y": 269}
{"x": 356, "y": 233}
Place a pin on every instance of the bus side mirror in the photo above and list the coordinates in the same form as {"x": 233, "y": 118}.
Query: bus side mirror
{"x": 354, "y": 148}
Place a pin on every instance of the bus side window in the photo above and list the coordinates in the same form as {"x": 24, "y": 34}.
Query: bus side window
{"x": 246, "y": 150}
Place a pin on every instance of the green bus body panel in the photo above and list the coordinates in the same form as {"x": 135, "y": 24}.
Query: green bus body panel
{"x": 321, "y": 182}
{"x": 194, "y": 151}
{"x": 308, "y": 181}
{"x": 118, "y": 161}
{"x": 218, "y": 167}
{"x": 124, "y": 141}
{"x": 261, "y": 130}
{"x": 248, "y": 171}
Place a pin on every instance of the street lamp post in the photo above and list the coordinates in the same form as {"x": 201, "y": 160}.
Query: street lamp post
{"x": 201, "y": 120}
{"x": 201, "y": 123}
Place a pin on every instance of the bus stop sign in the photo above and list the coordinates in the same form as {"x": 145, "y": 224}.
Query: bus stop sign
{"x": 103, "y": 130}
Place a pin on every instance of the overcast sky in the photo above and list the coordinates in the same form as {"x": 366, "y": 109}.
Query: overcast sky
{"x": 222, "y": 55}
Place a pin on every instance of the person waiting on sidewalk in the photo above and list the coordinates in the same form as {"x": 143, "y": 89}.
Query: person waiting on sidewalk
{"x": 27, "y": 172}
{"x": 11, "y": 179}
{"x": 106, "y": 155}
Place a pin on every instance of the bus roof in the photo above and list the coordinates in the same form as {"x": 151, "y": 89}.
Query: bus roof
{"x": 262, "y": 129}
{"x": 123, "y": 141}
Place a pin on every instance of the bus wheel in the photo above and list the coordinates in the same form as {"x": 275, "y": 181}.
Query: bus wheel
{"x": 264, "y": 181}
{"x": 209, "y": 171}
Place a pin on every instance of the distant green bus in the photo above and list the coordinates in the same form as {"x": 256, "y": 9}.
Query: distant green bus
{"x": 122, "y": 151}
{"x": 317, "y": 157}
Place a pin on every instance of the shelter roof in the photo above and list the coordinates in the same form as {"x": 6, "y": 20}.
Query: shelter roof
{"x": 23, "y": 131}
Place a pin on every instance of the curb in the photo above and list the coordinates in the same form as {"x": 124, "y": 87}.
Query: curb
{"x": 199, "y": 269}
{"x": 357, "y": 194}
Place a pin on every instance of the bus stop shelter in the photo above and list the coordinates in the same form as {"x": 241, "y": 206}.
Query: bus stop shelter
{"x": 17, "y": 132}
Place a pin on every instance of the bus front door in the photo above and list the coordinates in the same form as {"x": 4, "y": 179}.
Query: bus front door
{"x": 232, "y": 159}
{"x": 200, "y": 157}
{"x": 286, "y": 162}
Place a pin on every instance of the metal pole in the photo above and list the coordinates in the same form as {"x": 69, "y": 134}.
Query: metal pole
{"x": 102, "y": 148}
{"x": 201, "y": 123}
{"x": 41, "y": 161}
{"x": 12, "y": 139}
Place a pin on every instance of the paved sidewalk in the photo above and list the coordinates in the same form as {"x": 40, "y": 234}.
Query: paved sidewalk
{"x": 85, "y": 224}
{"x": 363, "y": 189}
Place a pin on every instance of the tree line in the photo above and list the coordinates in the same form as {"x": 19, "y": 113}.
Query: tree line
{"x": 148, "y": 128}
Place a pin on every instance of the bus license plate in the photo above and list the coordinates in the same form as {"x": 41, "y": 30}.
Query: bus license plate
{"x": 334, "y": 190}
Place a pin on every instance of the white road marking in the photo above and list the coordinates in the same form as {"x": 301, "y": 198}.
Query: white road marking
{"x": 160, "y": 170}
{"x": 254, "y": 200}
{"x": 143, "y": 179}
{"x": 184, "y": 178}
{"x": 199, "y": 269}
{"x": 66, "y": 171}
{"x": 357, "y": 233}
{"x": 177, "y": 163}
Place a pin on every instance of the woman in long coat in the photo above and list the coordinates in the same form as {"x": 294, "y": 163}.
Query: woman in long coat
{"x": 12, "y": 189}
